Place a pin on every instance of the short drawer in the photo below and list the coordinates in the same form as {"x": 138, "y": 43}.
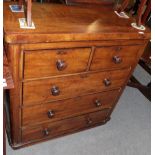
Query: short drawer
{"x": 45, "y": 63}
{"x": 66, "y": 126}
{"x": 45, "y": 90}
{"x": 68, "y": 108}
{"x": 114, "y": 57}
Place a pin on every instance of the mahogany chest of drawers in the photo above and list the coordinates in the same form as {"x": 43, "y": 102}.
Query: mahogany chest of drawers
{"x": 69, "y": 71}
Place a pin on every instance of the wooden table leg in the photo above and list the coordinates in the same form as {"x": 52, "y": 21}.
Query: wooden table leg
{"x": 145, "y": 90}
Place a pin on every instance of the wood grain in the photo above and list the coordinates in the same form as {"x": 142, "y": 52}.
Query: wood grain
{"x": 68, "y": 108}
{"x": 39, "y": 91}
{"x": 89, "y": 37}
{"x": 61, "y": 127}
{"x": 44, "y": 63}
{"x": 104, "y": 57}
{"x": 69, "y": 23}
{"x": 14, "y": 56}
{"x": 84, "y": 44}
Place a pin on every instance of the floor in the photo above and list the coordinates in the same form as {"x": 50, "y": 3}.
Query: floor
{"x": 127, "y": 133}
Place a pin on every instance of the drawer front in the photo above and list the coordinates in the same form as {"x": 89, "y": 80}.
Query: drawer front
{"x": 40, "y": 91}
{"x": 66, "y": 126}
{"x": 46, "y": 63}
{"x": 114, "y": 57}
{"x": 68, "y": 108}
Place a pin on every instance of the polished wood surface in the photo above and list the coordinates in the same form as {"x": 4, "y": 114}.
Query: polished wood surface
{"x": 68, "y": 23}
{"x": 75, "y": 55}
{"x": 39, "y": 91}
{"x": 68, "y": 108}
{"x": 14, "y": 55}
{"x": 114, "y": 57}
{"x": 62, "y": 127}
{"x": 46, "y": 63}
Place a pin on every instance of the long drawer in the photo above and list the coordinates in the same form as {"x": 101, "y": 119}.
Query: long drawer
{"x": 45, "y": 90}
{"x": 114, "y": 57}
{"x": 59, "y": 128}
{"x": 44, "y": 63}
{"x": 68, "y": 108}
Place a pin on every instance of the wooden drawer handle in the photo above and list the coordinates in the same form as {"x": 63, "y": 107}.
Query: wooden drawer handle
{"x": 55, "y": 91}
{"x": 61, "y": 65}
{"x": 107, "y": 82}
{"x": 50, "y": 114}
{"x": 45, "y": 132}
{"x": 117, "y": 59}
{"x": 98, "y": 103}
{"x": 89, "y": 121}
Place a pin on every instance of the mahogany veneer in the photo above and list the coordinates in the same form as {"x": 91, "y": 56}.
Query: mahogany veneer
{"x": 45, "y": 90}
{"x": 70, "y": 71}
{"x": 62, "y": 127}
{"x": 58, "y": 110}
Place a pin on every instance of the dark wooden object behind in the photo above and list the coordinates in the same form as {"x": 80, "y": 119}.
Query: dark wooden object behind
{"x": 100, "y": 2}
{"x": 145, "y": 60}
{"x": 145, "y": 63}
{"x": 75, "y": 32}
{"x": 142, "y": 12}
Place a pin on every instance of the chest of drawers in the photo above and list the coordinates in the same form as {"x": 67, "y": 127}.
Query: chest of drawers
{"x": 69, "y": 72}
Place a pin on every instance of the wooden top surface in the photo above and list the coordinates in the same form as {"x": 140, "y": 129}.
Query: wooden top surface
{"x": 57, "y": 22}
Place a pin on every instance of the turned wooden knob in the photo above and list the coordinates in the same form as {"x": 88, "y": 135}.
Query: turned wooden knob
{"x": 55, "y": 91}
{"x": 117, "y": 59}
{"x": 61, "y": 65}
{"x": 50, "y": 113}
{"x": 98, "y": 103}
{"x": 107, "y": 82}
{"x": 46, "y": 132}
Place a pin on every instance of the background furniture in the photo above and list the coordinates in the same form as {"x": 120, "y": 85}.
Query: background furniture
{"x": 100, "y": 2}
{"x": 145, "y": 60}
